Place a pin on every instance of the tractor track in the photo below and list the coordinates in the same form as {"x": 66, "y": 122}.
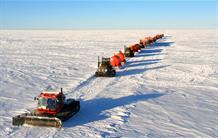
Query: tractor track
{"x": 81, "y": 85}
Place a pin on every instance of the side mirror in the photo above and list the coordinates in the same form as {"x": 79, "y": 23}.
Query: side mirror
{"x": 35, "y": 98}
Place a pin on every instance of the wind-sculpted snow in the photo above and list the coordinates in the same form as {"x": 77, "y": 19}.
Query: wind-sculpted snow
{"x": 169, "y": 89}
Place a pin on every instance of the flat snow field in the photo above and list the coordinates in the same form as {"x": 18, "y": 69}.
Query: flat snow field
{"x": 169, "y": 89}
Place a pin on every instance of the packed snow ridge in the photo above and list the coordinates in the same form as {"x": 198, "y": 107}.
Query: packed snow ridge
{"x": 169, "y": 89}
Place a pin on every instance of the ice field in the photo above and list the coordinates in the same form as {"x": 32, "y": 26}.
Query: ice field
{"x": 169, "y": 89}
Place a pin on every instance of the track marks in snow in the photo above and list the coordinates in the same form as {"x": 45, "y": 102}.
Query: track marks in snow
{"x": 32, "y": 131}
{"x": 92, "y": 88}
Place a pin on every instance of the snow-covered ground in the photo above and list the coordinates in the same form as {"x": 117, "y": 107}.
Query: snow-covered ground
{"x": 168, "y": 90}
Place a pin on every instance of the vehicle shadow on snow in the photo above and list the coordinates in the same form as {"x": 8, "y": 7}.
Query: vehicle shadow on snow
{"x": 148, "y": 54}
{"x": 96, "y": 109}
{"x": 147, "y": 60}
{"x": 142, "y": 64}
{"x": 154, "y": 49}
{"x": 162, "y": 44}
{"x": 139, "y": 71}
{"x": 149, "y": 51}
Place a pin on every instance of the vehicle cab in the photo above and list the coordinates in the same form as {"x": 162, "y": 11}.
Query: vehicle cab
{"x": 50, "y": 102}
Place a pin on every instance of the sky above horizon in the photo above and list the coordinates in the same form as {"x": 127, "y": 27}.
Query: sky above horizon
{"x": 108, "y": 14}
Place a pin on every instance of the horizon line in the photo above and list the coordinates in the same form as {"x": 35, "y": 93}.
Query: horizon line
{"x": 109, "y": 29}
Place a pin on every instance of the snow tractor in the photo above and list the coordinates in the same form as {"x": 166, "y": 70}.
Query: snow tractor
{"x": 150, "y": 40}
{"x": 105, "y": 69}
{"x": 115, "y": 61}
{"x": 135, "y": 47}
{"x": 144, "y": 42}
{"x": 161, "y": 35}
{"x": 158, "y": 36}
{"x": 51, "y": 111}
{"x": 128, "y": 52}
{"x": 155, "y": 38}
{"x": 121, "y": 56}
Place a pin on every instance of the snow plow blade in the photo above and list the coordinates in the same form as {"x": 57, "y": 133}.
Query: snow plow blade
{"x": 37, "y": 121}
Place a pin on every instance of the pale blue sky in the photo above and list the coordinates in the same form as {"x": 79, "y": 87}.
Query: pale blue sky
{"x": 108, "y": 14}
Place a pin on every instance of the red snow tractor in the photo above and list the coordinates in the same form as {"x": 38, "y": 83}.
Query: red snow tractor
{"x": 52, "y": 109}
{"x": 144, "y": 42}
{"x": 135, "y": 47}
{"x": 161, "y": 35}
{"x": 150, "y": 40}
{"x": 158, "y": 36}
{"x": 128, "y": 52}
{"x": 155, "y": 38}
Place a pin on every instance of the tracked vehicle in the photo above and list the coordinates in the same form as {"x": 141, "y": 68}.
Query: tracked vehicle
{"x": 52, "y": 110}
{"x": 105, "y": 69}
{"x": 128, "y": 52}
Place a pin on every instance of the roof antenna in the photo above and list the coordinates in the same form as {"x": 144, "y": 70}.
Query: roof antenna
{"x": 98, "y": 61}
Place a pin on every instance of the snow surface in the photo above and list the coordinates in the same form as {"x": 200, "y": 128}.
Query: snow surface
{"x": 168, "y": 90}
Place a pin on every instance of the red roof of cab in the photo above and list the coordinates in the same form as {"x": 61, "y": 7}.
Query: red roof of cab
{"x": 49, "y": 94}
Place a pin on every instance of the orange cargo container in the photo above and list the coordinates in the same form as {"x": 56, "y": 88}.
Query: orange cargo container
{"x": 115, "y": 61}
{"x": 121, "y": 56}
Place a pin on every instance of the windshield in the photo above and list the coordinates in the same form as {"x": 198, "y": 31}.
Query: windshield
{"x": 47, "y": 103}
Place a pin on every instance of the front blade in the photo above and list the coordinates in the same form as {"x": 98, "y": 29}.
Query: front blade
{"x": 43, "y": 121}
